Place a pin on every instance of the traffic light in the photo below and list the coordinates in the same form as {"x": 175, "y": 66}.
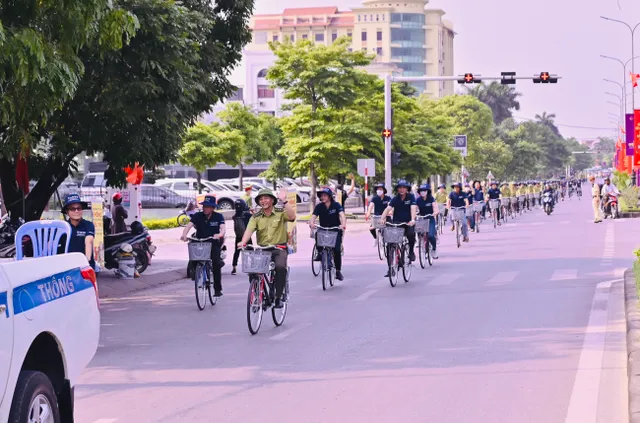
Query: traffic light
{"x": 508, "y": 78}
{"x": 395, "y": 158}
{"x": 468, "y": 78}
{"x": 545, "y": 78}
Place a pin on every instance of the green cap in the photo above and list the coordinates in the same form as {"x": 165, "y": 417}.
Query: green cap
{"x": 266, "y": 191}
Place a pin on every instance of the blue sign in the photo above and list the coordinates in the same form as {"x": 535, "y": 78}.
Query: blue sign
{"x": 460, "y": 141}
{"x": 49, "y": 289}
{"x": 4, "y": 302}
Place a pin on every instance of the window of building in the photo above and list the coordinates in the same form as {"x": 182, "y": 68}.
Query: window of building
{"x": 363, "y": 36}
{"x": 383, "y": 17}
{"x": 260, "y": 37}
{"x": 334, "y": 36}
{"x": 377, "y": 18}
{"x": 265, "y": 92}
{"x": 350, "y": 34}
{"x": 319, "y": 37}
{"x": 365, "y": 18}
{"x": 292, "y": 38}
{"x": 358, "y": 18}
{"x": 262, "y": 73}
{"x": 305, "y": 36}
{"x": 379, "y": 36}
{"x": 275, "y": 38}
{"x": 379, "y": 51}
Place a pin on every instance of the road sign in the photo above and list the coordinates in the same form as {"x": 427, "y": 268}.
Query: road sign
{"x": 366, "y": 167}
{"x": 460, "y": 144}
{"x": 387, "y": 133}
{"x": 490, "y": 176}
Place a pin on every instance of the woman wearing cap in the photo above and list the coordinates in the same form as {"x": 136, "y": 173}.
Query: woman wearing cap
{"x": 209, "y": 223}
{"x": 377, "y": 204}
{"x": 119, "y": 214}
{"x": 404, "y": 209}
{"x": 331, "y": 215}
{"x": 82, "y": 231}
{"x": 427, "y": 205}
{"x": 457, "y": 198}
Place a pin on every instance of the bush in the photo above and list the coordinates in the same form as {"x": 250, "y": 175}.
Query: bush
{"x": 160, "y": 223}
{"x": 629, "y": 198}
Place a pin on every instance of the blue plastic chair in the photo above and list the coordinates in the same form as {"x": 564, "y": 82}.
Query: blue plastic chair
{"x": 45, "y": 236}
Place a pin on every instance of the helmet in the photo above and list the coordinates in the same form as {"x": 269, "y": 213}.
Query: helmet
{"x": 456, "y": 184}
{"x": 403, "y": 183}
{"x": 240, "y": 205}
{"x": 116, "y": 197}
{"x": 424, "y": 187}
{"x": 325, "y": 190}
{"x": 381, "y": 186}
{"x": 442, "y": 186}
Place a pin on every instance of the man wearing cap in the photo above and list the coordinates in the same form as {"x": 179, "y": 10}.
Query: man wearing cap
{"x": 247, "y": 197}
{"x": 82, "y": 231}
{"x": 595, "y": 199}
{"x": 209, "y": 223}
{"x": 270, "y": 225}
{"x": 404, "y": 209}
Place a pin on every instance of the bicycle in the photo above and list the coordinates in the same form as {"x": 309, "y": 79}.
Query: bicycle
{"x": 458, "y": 215}
{"x": 326, "y": 239}
{"x": 200, "y": 253}
{"x": 493, "y": 205}
{"x": 504, "y": 208}
{"x": 441, "y": 221}
{"x": 579, "y": 193}
{"x": 378, "y": 226}
{"x": 478, "y": 206}
{"x": 259, "y": 265}
{"x": 397, "y": 252}
{"x": 424, "y": 246}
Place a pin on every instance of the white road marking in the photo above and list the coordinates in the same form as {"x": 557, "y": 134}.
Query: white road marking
{"x": 502, "y": 278}
{"x": 286, "y": 333}
{"x": 565, "y": 222}
{"x": 583, "y": 404}
{"x": 445, "y": 279}
{"x": 366, "y": 295}
{"x": 105, "y": 420}
{"x": 564, "y": 274}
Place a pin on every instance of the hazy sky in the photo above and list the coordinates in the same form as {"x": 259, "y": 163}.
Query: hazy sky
{"x": 565, "y": 37}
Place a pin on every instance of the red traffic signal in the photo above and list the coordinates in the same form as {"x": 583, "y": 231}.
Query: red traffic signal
{"x": 469, "y": 79}
{"x": 387, "y": 133}
{"x": 545, "y": 78}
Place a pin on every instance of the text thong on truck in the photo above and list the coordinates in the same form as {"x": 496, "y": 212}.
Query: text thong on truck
{"x": 49, "y": 331}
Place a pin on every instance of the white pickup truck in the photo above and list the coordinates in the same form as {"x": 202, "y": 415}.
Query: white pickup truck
{"x": 49, "y": 330}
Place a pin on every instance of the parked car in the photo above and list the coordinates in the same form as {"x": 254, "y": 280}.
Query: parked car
{"x": 93, "y": 187}
{"x": 302, "y": 193}
{"x": 188, "y": 187}
{"x": 157, "y": 197}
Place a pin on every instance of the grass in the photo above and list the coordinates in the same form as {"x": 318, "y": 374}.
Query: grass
{"x": 636, "y": 273}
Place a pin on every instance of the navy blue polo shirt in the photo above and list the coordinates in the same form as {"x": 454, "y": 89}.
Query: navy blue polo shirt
{"x": 494, "y": 194}
{"x": 457, "y": 200}
{"x": 425, "y": 205}
{"x": 379, "y": 204}
{"x": 207, "y": 227}
{"x": 468, "y": 196}
{"x": 78, "y": 235}
{"x": 402, "y": 207}
{"x": 329, "y": 217}
{"x": 478, "y": 195}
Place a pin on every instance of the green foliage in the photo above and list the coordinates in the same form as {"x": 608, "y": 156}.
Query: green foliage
{"x": 152, "y": 224}
{"x": 207, "y": 145}
{"x": 502, "y": 99}
{"x": 629, "y": 197}
{"x": 621, "y": 179}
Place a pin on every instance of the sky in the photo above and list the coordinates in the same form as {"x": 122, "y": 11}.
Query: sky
{"x": 564, "y": 37}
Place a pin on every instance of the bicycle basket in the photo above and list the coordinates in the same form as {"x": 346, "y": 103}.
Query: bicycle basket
{"x": 457, "y": 214}
{"x": 494, "y": 204}
{"x": 378, "y": 223}
{"x": 422, "y": 226}
{"x": 393, "y": 235}
{"x": 256, "y": 261}
{"x": 326, "y": 238}
{"x": 521, "y": 198}
{"x": 199, "y": 251}
{"x": 505, "y": 201}
{"x": 478, "y": 206}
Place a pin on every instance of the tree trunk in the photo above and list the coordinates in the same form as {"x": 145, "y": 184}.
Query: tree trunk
{"x": 240, "y": 177}
{"x": 199, "y": 181}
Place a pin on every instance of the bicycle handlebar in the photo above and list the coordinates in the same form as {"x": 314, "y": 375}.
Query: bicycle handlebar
{"x": 258, "y": 247}
{"x": 192, "y": 238}
{"x": 397, "y": 224}
{"x": 327, "y": 229}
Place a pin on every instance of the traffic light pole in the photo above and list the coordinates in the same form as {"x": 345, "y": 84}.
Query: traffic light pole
{"x": 389, "y": 79}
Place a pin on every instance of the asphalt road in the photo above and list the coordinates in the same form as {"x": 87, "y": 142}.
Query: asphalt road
{"x": 523, "y": 324}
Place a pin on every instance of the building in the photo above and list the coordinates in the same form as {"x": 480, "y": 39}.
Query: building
{"x": 406, "y": 38}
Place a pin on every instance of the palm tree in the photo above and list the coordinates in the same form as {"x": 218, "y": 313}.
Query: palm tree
{"x": 548, "y": 120}
{"x": 502, "y": 99}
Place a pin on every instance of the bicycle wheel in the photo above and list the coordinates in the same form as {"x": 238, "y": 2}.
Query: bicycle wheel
{"x": 392, "y": 260}
{"x": 212, "y": 298}
{"x": 495, "y": 218}
{"x": 422, "y": 253}
{"x": 200, "y": 285}
{"x": 183, "y": 219}
{"x": 407, "y": 265}
{"x": 278, "y": 314}
{"x": 380, "y": 242}
{"x": 316, "y": 266}
{"x": 332, "y": 266}
{"x": 458, "y": 233}
{"x": 325, "y": 268}
{"x": 478, "y": 222}
{"x": 254, "y": 304}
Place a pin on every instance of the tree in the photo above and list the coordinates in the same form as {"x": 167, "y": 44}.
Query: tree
{"x": 134, "y": 104}
{"x": 581, "y": 161}
{"x": 319, "y": 79}
{"x": 206, "y": 145}
{"x": 272, "y": 137}
{"x": 548, "y": 120}
{"x": 502, "y": 99}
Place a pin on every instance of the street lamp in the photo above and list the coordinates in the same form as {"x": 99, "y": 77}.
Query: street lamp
{"x": 633, "y": 68}
{"x": 621, "y": 88}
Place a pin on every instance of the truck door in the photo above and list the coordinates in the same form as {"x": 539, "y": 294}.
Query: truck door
{"x": 6, "y": 334}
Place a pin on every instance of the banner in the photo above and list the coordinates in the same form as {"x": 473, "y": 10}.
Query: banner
{"x": 636, "y": 140}
{"x": 629, "y": 134}
{"x": 98, "y": 241}
{"x": 292, "y": 230}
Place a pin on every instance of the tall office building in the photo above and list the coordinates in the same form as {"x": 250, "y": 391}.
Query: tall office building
{"x": 405, "y": 38}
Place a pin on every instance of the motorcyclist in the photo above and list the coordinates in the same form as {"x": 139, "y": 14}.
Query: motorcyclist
{"x": 608, "y": 189}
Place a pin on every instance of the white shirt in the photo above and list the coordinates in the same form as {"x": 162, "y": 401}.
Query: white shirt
{"x": 609, "y": 189}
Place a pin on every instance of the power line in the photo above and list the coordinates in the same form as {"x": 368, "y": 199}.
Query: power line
{"x": 567, "y": 126}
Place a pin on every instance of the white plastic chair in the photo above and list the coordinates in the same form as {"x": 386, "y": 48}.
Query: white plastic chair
{"x": 45, "y": 236}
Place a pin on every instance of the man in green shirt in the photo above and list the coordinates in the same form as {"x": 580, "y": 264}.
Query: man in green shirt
{"x": 270, "y": 225}
{"x": 247, "y": 197}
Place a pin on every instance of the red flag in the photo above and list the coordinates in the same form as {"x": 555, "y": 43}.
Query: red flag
{"x": 135, "y": 175}
{"x": 634, "y": 79}
{"x": 622, "y": 130}
{"x": 22, "y": 172}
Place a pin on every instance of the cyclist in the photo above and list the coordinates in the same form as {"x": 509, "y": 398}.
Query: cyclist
{"x": 457, "y": 198}
{"x": 471, "y": 217}
{"x": 441, "y": 199}
{"x": 270, "y": 225}
{"x": 404, "y": 210}
{"x": 209, "y": 223}
{"x": 478, "y": 194}
{"x": 331, "y": 215}
{"x": 378, "y": 203}
{"x": 427, "y": 205}
{"x": 494, "y": 193}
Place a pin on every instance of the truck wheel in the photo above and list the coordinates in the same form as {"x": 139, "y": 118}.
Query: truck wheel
{"x": 34, "y": 399}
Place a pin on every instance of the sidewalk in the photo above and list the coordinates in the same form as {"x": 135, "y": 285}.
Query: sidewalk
{"x": 109, "y": 286}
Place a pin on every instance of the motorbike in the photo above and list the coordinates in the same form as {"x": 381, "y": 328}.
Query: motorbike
{"x": 611, "y": 206}
{"x": 547, "y": 202}
{"x": 8, "y": 228}
{"x": 140, "y": 241}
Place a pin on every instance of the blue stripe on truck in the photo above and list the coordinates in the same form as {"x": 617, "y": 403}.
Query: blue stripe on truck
{"x": 46, "y": 290}
{"x": 4, "y": 302}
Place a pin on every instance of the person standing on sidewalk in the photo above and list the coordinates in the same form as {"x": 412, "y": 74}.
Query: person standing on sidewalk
{"x": 240, "y": 222}
{"x": 595, "y": 199}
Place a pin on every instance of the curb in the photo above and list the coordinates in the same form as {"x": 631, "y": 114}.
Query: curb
{"x": 632, "y": 312}
{"x": 120, "y": 287}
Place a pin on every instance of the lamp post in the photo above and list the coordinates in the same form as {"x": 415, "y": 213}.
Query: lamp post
{"x": 624, "y": 72}
{"x": 633, "y": 68}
